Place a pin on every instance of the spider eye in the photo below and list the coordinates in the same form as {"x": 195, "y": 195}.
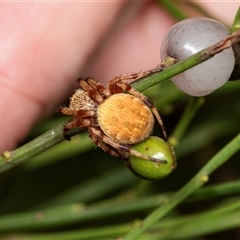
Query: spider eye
{"x": 156, "y": 148}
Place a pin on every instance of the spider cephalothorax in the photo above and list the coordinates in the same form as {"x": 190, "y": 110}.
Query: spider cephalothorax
{"x": 114, "y": 119}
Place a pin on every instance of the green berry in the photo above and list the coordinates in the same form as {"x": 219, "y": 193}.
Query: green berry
{"x": 158, "y": 149}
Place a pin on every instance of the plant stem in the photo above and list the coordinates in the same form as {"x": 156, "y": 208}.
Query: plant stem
{"x": 236, "y": 22}
{"x": 173, "y": 9}
{"x": 195, "y": 59}
{"x": 79, "y": 144}
{"x": 53, "y": 137}
{"x": 195, "y": 183}
{"x": 64, "y": 214}
{"x": 186, "y": 118}
{"x": 212, "y": 220}
{"x": 94, "y": 188}
{"x": 33, "y": 148}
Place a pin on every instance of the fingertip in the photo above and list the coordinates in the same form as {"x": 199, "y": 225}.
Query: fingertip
{"x": 40, "y": 60}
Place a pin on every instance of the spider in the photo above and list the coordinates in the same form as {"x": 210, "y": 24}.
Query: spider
{"x": 116, "y": 116}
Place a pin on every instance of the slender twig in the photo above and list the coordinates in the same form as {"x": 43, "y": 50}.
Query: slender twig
{"x": 186, "y": 118}
{"x": 183, "y": 227}
{"x": 68, "y": 213}
{"x": 33, "y": 148}
{"x": 53, "y": 137}
{"x": 236, "y": 22}
{"x": 193, "y": 60}
{"x": 195, "y": 183}
{"x": 173, "y": 9}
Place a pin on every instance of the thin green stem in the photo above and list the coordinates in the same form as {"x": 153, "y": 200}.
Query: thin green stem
{"x": 79, "y": 144}
{"x": 33, "y": 148}
{"x": 173, "y": 9}
{"x": 236, "y": 22}
{"x": 197, "y": 58}
{"x": 73, "y": 213}
{"x": 93, "y": 233}
{"x": 212, "y": 220}
{"x": 195, "y": 183}
{"x": 53, "y": 137}
{"x": 186, "y": 118}
{"x": 214, "y": 191}
{"x": 94, "y": 188}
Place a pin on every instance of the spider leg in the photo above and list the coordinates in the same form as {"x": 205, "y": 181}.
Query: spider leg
{"x": 77, "y": 113}
{"x": 81, "y": 118}
{"x": 123, "y": 150}
{"x": 114, "y": 88}
{"x": 100, "y": 88}
{"x": 76, "y": 123}
{"x": 88, "y": 85}
{"x": 104, "y": 146}
{"x": 97, "y": 136}
{"x": 66, "y": 111}
{"x": 127, "y": 87}
{"x": 136, "y": 76}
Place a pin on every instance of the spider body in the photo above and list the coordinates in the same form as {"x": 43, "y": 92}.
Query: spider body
{"x": 125, "y": 118}
{"x": 114, "y": 119}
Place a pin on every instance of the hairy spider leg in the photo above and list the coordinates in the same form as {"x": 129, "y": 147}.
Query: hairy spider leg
{"x": 77, "y": 113}
{"x": 92, "y": 92}
{"x": 84, "y": 123}
{"x": 102, "y": 145}
{"x": 122, "y": 149}
{"x": 131, "y": 77}
{"x": 136, "y": 76}
{"x": 94, "y": 89}
{"x": 81, "y": 119}
{"x": 105, "y": 93}
{"x": 127, "y": 87}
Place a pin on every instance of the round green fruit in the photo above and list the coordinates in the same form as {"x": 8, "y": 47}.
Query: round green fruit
{"x": 158, "y": 149}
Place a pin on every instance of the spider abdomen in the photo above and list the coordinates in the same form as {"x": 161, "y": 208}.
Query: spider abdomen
{"x": 125, "y": 118}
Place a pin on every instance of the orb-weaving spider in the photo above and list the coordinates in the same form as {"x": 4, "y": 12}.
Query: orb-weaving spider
{"x": 114, "y": 119}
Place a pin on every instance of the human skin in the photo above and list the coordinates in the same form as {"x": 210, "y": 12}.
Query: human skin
{"x": 45, "y": 46}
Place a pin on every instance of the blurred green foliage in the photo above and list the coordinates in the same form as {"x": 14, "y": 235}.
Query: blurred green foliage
{"x": 77, "y": 191}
